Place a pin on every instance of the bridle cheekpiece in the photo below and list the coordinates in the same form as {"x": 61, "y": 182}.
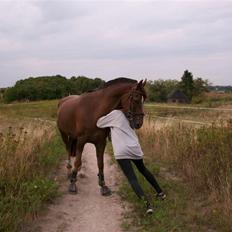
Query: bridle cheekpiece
{"x": 130, "y": 114}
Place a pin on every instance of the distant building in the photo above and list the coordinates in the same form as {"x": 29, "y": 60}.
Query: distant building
{"x": 177, "y": 96}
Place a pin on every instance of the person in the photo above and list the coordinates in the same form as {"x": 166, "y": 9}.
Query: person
{"x": 127, "y": 150}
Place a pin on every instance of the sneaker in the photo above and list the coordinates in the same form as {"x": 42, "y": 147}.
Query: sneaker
{"x": 161, "y": 195}
{"x": 149, "y": 208}
{"x": 149, "y": 211}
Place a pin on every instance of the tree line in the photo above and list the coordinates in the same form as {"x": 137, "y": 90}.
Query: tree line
{"x": 193, "y": 88}
{"x": 219, "y": 88}
{"x": 49, "y": 87}
{"x": 55, "y": 87}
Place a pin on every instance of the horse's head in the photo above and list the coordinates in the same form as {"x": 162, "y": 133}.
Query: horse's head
{"x": 132, "y": 104}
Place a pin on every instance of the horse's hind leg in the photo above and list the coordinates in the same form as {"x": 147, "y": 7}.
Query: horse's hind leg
{"x": 100, "y": 148}
{"x": 66, "y": 141}
{"x": 77, "y": 151}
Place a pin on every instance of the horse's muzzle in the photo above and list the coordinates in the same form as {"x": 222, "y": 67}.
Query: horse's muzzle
{"x": 137, "y": 122}
{"x": 138, "y": 125}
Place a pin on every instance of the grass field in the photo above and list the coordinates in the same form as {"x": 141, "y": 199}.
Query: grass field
{"x": 39, "y": 109}
{"x": 30, "y": 148}
{"x": 186, "y": 113}
{"x": 214, "y": 99}
{"x": 188, "y": 149}
{"x": 193, "y": 164}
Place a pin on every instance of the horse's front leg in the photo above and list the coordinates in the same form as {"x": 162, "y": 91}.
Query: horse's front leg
{"x": 100, "y": 148}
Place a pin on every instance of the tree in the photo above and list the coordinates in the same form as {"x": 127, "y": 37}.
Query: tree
{"x": 83, "y": 84}
{"x": 200, "y": 86}
{"x": 187, "y": 84}
{"x": 193, "y": 88}
{"x": 49, "y": 87}
{"x": 159, "y": 89}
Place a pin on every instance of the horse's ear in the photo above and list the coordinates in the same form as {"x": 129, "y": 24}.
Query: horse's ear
{"x": 144, "y": 83}
{"x": 139, "y": 85}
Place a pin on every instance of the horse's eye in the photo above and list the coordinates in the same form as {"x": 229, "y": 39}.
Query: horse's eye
{"x": 137, "y": 99}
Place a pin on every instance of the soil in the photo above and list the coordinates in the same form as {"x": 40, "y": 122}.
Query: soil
{"x": 88, "y": 210}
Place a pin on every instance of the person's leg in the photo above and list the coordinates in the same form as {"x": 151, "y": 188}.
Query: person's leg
{"x": 128, "y": 171}
{"x": 148, "y": 175}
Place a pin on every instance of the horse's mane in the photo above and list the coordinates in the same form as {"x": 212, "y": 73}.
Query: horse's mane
{"x": 115, "y": 81}
{"x": 118, "y": 81}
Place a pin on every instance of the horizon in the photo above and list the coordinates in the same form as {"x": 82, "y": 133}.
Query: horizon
{"x": 1, "y": 87}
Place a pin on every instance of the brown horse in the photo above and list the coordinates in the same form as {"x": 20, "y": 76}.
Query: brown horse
{"x": 78, "y": 115}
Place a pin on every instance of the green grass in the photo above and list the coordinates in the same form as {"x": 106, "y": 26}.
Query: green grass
{"x": 181, "y": 211}
{"x": 186, "y": 209}
{"x": 18, "y": 198}
{"x": 39, "y": 109}
{"x": 193, "y": 166}
{"x": 30, "y": 150}
{"x": 169, "y": 214}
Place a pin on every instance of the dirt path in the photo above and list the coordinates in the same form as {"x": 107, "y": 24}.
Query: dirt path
{"x": 87, "y": 211}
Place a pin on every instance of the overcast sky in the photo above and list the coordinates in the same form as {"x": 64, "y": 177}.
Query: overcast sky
{"x": 108, "y": 39}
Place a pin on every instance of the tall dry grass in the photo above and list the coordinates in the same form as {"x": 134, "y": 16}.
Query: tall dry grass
{"x": 202, "y": 156}
{"x": 27, "y": 152}
{"x": 214, "y": 99}
{"x": 18, "y": 150}
{"x": 199, "y": 114}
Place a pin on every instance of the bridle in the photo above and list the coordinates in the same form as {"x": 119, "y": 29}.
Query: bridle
{"x": 130, "y": 114}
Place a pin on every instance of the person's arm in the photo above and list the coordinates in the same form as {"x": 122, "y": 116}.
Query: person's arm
{"x": 108, "y": 120}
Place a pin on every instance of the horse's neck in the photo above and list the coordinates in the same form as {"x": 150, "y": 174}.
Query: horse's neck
{"x": 113, "y": 94}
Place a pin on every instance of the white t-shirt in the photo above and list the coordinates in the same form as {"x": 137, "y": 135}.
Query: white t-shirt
{"x": 124, "y": 139}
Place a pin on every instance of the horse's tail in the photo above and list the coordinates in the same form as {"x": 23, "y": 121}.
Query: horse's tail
{"x": 72, "y": 146}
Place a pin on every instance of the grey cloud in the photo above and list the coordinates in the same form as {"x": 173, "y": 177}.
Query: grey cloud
{"x": 46, "y": 33}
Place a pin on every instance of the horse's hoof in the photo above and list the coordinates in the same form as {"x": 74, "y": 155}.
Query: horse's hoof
{"x": 105, "y": 191}
{"x": 72, "y": 188}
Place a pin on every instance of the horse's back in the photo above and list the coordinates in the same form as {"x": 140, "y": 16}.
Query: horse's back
{"x": 64, "y": 99}
{"x": 77, "y": 114}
